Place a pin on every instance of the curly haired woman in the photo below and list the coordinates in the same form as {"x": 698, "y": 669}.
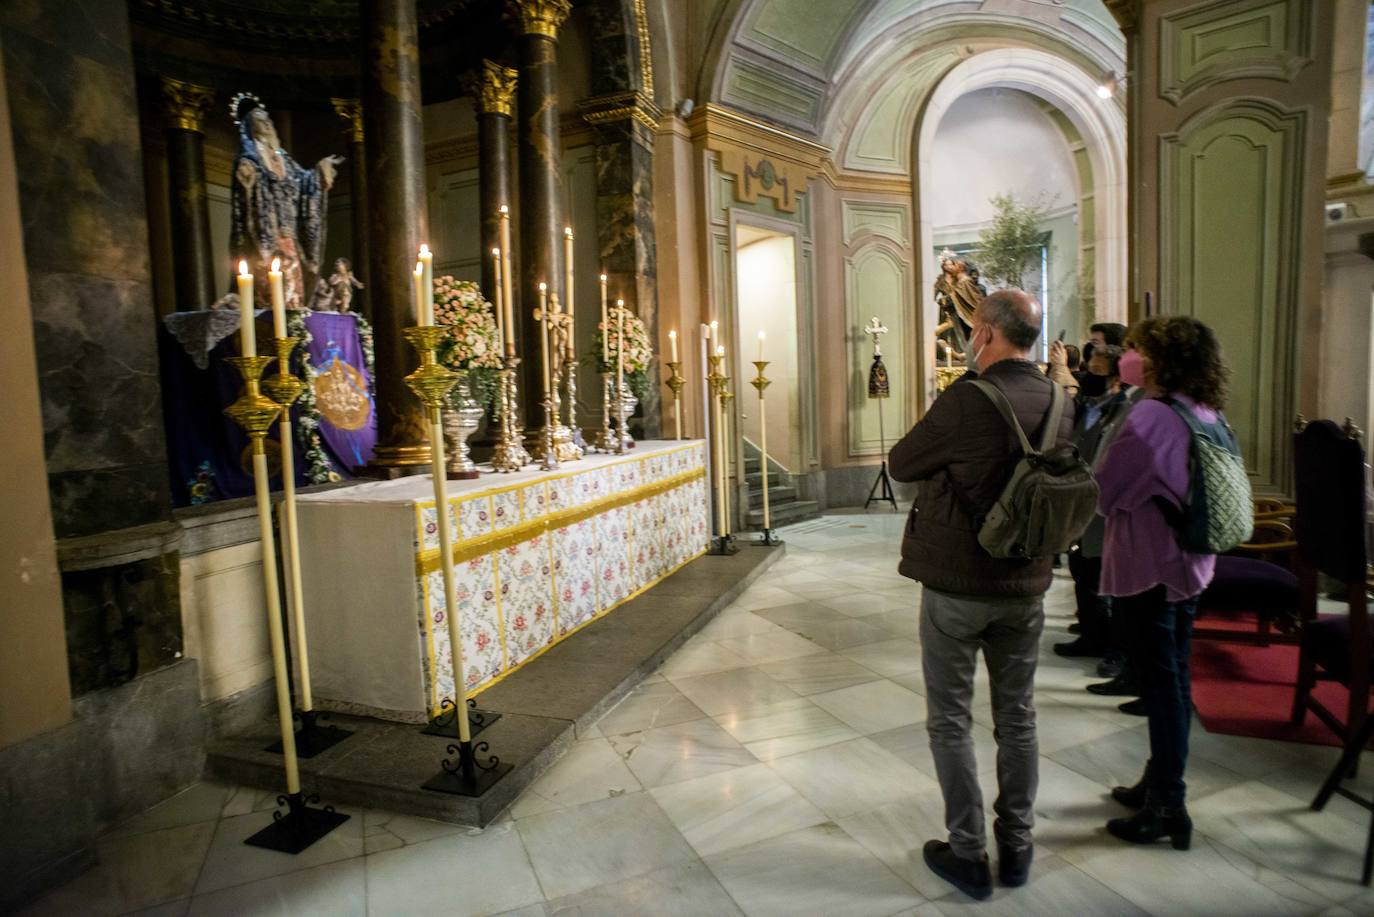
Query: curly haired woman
{"x": 1154, "y": 583}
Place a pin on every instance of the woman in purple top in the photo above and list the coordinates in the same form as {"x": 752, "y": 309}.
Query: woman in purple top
{"x": 1155, "y": 583}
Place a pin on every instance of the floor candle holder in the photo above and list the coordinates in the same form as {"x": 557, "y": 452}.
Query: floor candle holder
{"x": 301, "y": 825}
{"x": 722, "y": 544}
{"x": 676, "y": 383}
{"x": 446, "y": 724}
{"x": 285, "y": 388}
{"x": 768, "y": 537}
{"x": 431, "y": 383}
{"x": 510, "y": 453}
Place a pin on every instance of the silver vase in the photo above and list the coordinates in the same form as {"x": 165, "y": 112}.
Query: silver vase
{"x": 628, "y": 403}
{"x": 462, "y": 416}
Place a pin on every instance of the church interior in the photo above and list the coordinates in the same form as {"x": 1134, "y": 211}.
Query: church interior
{"x": 451, "y": 445}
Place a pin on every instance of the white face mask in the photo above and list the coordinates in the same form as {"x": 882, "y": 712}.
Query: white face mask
{"x": 978, "y": 352}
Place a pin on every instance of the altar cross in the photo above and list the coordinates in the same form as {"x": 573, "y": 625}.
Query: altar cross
{"x": 876, "y": 328}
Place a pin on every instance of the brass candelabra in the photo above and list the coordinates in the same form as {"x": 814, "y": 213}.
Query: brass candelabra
{"x": 510, "y": 453}
{"x": 605, "y": 437}
{"x": 760, "y": 382}
{"x": 676, "y": 383}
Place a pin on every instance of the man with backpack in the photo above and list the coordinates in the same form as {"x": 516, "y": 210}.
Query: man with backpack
{"x": 1000, "y": 492}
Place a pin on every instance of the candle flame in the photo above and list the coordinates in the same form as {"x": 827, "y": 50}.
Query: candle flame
{"x": 603, "y": 278}
{"x": 720, "y": 351}
{"x": 424, "y": 250}
{"x": 567, "y": 231}
{"x": 276, "y": 265}
{"x": 543, "y": 287}
{"x": 761, "y": 335}
{"x": 419, "y": 267}
{"x": 673, "y": 334}
{"x": 620, "y": 303}
{"x": 243, "y": 268}
{"x": 715, "y": 325}
{"x": 496, "y": 252}
{"x": 504, "y": 209}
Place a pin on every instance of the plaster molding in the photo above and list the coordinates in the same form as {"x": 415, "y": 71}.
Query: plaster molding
{"x": 763, "y": 160}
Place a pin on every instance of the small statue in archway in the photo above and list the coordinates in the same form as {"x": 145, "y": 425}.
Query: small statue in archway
{"x": 336, "y": 293}
{"x": 958, "y": 293}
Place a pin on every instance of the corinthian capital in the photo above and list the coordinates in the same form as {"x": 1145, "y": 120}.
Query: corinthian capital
{"x": 492, "y": 87}
{"x": 538, "y": 17}
{"x": 186, "y": 104}
{"x": 351, "y": 111}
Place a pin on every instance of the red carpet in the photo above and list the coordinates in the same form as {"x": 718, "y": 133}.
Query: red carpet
{"x": 1248, "y": 690}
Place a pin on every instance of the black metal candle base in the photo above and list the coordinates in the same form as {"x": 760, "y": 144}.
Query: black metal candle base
{"x": 300, "y": 827}
{"x": 768, "y": 538}
{"x": 886, "y": 495}
{"x": 467, "y": 776}
{"x": 311, "y": 737}
{"x": 723, "y": 546}
{"x": 446, "y": 724}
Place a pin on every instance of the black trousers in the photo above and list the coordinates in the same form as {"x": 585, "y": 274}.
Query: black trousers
{"x": 1161, "y": 639}
{"x": 1094, "y": 615}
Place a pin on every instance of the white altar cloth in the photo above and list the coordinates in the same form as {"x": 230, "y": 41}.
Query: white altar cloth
{"x": 538, "y": 555}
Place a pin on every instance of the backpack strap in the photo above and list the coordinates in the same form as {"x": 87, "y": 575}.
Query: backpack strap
{"x": 1055, "y": 414}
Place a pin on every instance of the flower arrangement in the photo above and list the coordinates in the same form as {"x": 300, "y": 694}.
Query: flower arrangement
{"x": 639, "y": 352}
{"x": 471, "y": 345}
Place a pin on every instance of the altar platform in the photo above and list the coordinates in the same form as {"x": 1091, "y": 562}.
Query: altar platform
{"x": 544, "y": 705}
{"x": 538, "y": 555}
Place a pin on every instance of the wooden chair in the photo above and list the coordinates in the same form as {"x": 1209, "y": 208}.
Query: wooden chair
{"x": 1256, "y": 578}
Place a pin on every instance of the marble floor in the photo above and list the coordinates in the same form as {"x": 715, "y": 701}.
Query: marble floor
{"x": 777, "y": 764}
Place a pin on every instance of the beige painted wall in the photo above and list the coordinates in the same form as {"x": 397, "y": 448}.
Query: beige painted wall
{"x": 35, "y": 693}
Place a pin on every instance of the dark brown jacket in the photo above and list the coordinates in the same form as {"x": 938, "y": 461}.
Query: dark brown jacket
{"x": 964, "y": 439}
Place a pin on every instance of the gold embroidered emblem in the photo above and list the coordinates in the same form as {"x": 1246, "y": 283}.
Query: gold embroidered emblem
{"x": 341, "y": 396}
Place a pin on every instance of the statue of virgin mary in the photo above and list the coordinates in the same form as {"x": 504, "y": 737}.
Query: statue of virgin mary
{"x": 278, "y": 205}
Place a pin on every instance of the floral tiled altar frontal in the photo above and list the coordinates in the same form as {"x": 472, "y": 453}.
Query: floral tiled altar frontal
{"x": 537, "y": 556}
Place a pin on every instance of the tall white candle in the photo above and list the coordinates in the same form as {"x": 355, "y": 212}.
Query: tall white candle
{"x": 672, "y": 341}
{"x": 500, "y": 322}
{"x": 420, "y": 317}
{"x": 248, "y": 337}
{"x": 620, "y": 349}
{"x": 568, "y": 287}
{"x": 544, "y": 336}
{"x": 506, "y": 294}
{"x": 761, "y": 336}
{"x": 427, "y": 260}
{"x": 274, "y": 280}
{"x": 605, "y": 326}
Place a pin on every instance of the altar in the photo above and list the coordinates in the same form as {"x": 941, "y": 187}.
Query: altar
{"x": 538, "y": 555}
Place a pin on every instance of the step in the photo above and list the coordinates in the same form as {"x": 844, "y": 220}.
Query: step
{"x": 785, "y": 514}
{"x": 755, "y": 478}
{"x": 776, "y": 495}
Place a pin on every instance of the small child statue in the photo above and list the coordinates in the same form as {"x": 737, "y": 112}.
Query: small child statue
{"x": 336, "y": 293}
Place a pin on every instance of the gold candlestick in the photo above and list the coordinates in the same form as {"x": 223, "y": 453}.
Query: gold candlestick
{"x": 605, "y": 439}
{"x": 762, "y": 382}
{"x": 301, "y": 826}
{"x": 722, "y": 543}
{"x": 510, "y": 453}
{"x": 431, "y": 384}
{"x": 676, "y": 383}
{"x": 284, "y": 388}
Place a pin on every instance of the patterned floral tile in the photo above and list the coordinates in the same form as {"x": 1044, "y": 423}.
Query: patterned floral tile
{"x": 613, "y": 561}
{"x": 574, "y": 550}
{"x": 506, "y": 509}
{"x": 475, "y": 592}
{"x": 475, "y": 517}
{"x": 429, "y": 521}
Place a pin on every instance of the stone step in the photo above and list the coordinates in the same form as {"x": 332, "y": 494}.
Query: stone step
{"x": 776, "y": 495}
{"x": 755, "y": 479}
{"x": 784, "y": 514}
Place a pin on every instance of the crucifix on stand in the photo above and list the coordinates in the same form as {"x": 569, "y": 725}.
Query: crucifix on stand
{"x": 879, "y": 388}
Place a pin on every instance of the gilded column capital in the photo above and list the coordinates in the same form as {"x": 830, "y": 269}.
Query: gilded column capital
{"x": 538, "y": 17}
{"x": 186, "y": 104}
{"x": 351, "y": 111}
{"x": 493, "y": 87}
{"x": 1126, "y": 12}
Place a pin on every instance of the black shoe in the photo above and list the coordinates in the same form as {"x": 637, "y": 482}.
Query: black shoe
{"x": 1111, "y": 667}
{"x": 972, "y": 877}
{"x": 1153, "y": 822}
{"x": 1075, "y": 628}
{"x": 1013, "y": 866}
{"x": 1132, "y": 797}
{"x": 1134, "y": 707}
{"x": 1076, "y": 648}
{"x": 1120, "y": 686}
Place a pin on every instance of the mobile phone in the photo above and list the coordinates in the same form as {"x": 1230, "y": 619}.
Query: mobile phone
{"x": 1061, "y": 335}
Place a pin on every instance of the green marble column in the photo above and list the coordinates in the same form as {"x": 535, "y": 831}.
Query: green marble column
{"x": 396, "y": 221}
{"x": 351, "y": 111}
{"x": 541, "y": 180}
{"x": 192, "y": 261}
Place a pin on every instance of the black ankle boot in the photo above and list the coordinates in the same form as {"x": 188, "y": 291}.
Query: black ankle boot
{"x": 1153, "y": 822}
{"x": 1132, "y": 797}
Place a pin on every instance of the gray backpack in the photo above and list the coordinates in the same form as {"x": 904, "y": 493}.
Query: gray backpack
{"x": 1051, "y": 496}
{"x": 1218, "y": 513}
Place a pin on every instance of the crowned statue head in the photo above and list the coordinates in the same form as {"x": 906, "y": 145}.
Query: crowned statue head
{"x": 951, "y": 263}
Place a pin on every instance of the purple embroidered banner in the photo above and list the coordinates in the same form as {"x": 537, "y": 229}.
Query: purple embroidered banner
{"x": 343, "y": 391}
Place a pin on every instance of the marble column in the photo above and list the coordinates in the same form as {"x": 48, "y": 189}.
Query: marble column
{"x": 351, "y": 111}
{"x": 492, "y": 90}
{"x": 193, "y": 262}
{"x": 396, "y": 220}
{"x": 541, "y": 179}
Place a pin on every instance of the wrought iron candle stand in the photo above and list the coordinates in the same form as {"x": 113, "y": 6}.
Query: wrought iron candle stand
{"x": 676, "y": 383}
{"x": 285, "y": 388}
{"x": 605, "y": 437}
{"x": 301, "y": 825}
{"x": 510, "y": 453}
{"x": 722, "y": 544}
{"x": 768, "y": 537}
{"x": 431, "y": 383}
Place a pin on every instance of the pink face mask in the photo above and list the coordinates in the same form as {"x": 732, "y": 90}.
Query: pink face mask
{"x": 1132, "y": 368}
